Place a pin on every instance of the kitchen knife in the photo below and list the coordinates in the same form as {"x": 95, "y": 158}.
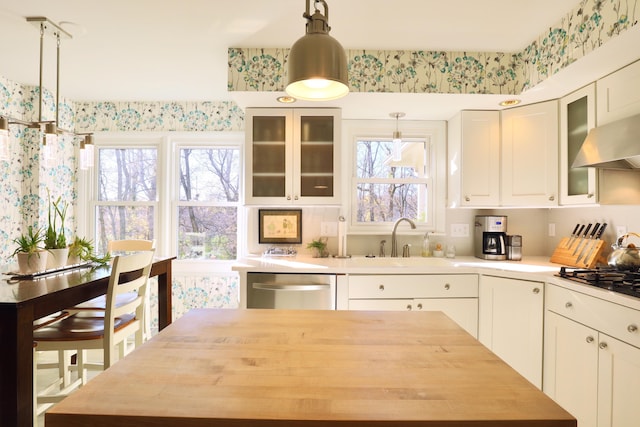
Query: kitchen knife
{"x": 589, "y": 243}
{"x": 595, "y": 244}
{"x": 573, "y": 236}
{"x": 583, "y": 239}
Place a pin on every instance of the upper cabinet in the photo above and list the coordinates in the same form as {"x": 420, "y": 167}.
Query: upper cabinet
{"x": 291, "y": 156}
{"x": 474, "y": 159}
{"x": 619, "y": 94}
{"x": 530, "y": 155}
{"x": 577, "y": 117}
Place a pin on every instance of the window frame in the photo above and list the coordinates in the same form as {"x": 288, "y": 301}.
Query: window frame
{"x": 433, "y": 133}
{"x": 166, "y": 210}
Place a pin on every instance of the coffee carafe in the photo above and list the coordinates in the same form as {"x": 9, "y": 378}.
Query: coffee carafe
{"x": 490, "y": 237}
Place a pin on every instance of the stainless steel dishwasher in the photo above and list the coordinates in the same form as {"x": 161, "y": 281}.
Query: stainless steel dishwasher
{"x": 291, "y": 291}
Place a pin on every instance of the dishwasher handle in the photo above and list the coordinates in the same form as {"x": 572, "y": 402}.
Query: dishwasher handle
{"x": 290, "y": 287}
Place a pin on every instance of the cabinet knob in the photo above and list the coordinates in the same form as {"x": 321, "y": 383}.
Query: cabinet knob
{"x": 552, "y": 198}
{"x": 447, "y": 286}
{"x": 569, "y": 304}
{"x": 590, "y": 339}
{"x": 536, "y": 290}
{"x": 603, "y": 345}
{"x": 381, "y": 287}
{"x": 409, "y": 307}
{"x": 467, "y": 198}
{"x": 419, "y": 306}
{"x": 590, "y": 196}
{"x": 632, "y": 328}
{"x": 295, "y": 198}
{"x": 288, "y": 196}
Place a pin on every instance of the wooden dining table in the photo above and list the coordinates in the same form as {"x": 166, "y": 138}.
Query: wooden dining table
{"x": 267, "y": 368}
{"x": 25, "y": 300}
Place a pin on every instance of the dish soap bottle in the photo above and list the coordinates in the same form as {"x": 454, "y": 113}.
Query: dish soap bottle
{"x": 426, "y": 248}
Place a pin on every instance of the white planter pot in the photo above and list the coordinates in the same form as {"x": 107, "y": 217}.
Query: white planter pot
{"x": 32, "y": 263}
{"x": 57, "y": 258}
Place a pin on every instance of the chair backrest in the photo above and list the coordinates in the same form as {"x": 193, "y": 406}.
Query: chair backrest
{"x": 129, "y": 273}
{"x": 130, "y": 245}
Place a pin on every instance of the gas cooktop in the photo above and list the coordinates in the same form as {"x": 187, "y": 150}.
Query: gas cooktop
{"x": 624, "y": 282}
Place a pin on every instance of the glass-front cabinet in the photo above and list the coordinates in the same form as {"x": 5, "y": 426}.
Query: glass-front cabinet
{"x": 291, "y": 156}
{"x": 577, "y": 117}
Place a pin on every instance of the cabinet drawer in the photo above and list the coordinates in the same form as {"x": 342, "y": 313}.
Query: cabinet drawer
{"x": 414, "y": 286}
{"x": 615, "y": 320}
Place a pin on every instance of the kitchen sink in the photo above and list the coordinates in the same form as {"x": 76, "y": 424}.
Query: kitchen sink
{"x": 401, "y": 262}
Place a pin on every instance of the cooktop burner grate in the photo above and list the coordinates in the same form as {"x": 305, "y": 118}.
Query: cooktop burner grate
{"x": 624, "y": 282}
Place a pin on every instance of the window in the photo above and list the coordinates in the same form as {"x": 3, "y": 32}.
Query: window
{"x": 209, "y": 192}
{"x": 182, "y": 190}
{"x": 392, "y": 180}
{"x": 127, "y": 195}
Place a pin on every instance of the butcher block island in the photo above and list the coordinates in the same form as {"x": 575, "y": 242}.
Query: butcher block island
{"x": 309, "y": 368}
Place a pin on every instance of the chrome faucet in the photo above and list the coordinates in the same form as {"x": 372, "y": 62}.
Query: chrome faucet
{"x": 394, "y": 241}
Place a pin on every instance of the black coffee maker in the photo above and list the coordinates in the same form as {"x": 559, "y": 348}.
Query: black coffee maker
{"x": 490, "y": 238}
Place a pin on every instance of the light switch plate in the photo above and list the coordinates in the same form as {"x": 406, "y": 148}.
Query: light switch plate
{"x": 328, "y": 229}
{"x": 459, "y": 230}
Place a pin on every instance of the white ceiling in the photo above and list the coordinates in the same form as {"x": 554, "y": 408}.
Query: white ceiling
{"x": 151, "y": 50}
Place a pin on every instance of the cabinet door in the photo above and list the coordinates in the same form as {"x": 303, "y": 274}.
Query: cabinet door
{"x": 315, "y": 156}
{"x": 530, "y": 155}
{"x": 618, "y": 383}
{"x": 268, "y": 165}
{"x": 577, "y": 117}
{"x": 463, "y": 311}
{"x": 619, "y": 94}
{"x": 474, "y": 159}
{"x": 511, "y": 323}
{"x": 571, "y": 367}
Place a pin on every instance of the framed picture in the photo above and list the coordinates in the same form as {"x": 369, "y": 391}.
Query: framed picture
{"x": 280, "y": 226}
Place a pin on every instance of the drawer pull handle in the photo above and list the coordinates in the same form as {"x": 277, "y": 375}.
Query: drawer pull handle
{"x": 447, "y": 286}
{"x": 419, "y": 306}
{"x": 590, "y": 339}
{"x": 381, "y": 287}
{"x": 536, "y": 291}
{"x": 632, "y": 328}
{"x": 409, "y": 307}
{"x": 569, "y": 304}
{"x": 603, "y": 345}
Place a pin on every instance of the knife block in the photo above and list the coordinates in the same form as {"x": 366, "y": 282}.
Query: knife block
{"x": 564, "y": 255}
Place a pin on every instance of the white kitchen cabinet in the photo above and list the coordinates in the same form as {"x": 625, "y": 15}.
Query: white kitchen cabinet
{"x": 578, "y": 186}
{"x": 591, "y": 358}
{"x": 529, "y": 161}
{"x": 619, "y": 94}
{"x": 474, "y": 159}
{"x": 454, "y": 294}
{"x": 291, "y": 156}
{"x": 511, "y": 323}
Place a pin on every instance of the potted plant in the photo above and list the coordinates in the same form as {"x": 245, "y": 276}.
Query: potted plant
{"x": 55, "y": 240}
{"x": 319, "y": 247}
{"x": 81, "y": 250}
{"x": 31, "y": 255}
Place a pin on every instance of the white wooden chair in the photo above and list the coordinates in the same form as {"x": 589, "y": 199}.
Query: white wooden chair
{"x": 106, "y": 329}
{"x": 121, "y": 247}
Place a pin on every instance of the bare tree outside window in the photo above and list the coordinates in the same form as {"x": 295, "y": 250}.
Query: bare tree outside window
{"x": 127, "y": 194}
{"x": 209, "y": 186}
{"x": 389, "y": 186}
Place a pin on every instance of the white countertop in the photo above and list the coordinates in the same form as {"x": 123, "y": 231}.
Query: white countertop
{"x": 530, "y": 268}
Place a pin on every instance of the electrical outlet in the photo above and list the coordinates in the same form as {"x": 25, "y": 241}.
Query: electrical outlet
{"x": 329, "y": 229}
{"x": 621, "y": 230}
{"x": 552, "y": 230}
{"x": 459, "y": 230}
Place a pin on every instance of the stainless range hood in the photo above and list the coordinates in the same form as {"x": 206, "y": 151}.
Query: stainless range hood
{"x": 615, "y": 145}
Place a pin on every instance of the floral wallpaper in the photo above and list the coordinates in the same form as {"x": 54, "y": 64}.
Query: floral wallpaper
{"x": 589, "y": 25}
